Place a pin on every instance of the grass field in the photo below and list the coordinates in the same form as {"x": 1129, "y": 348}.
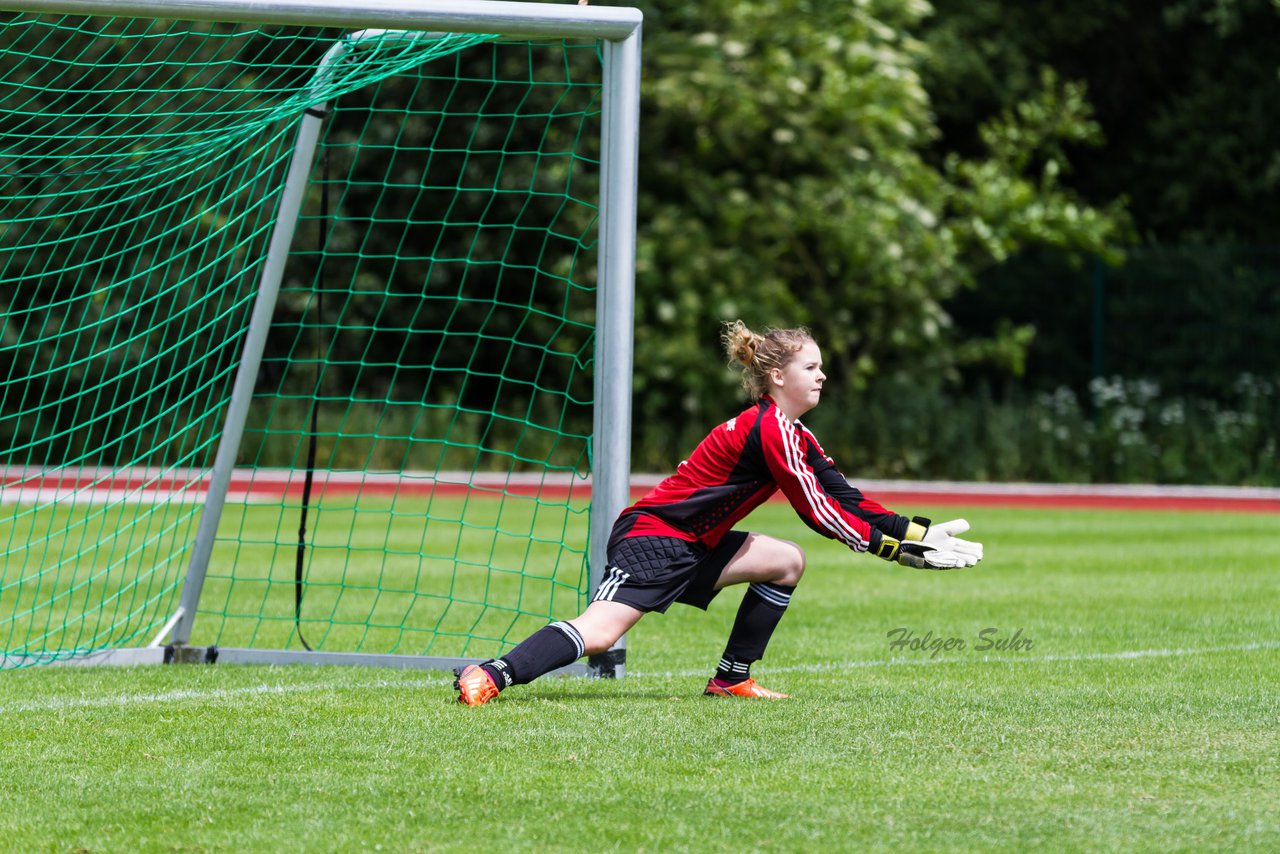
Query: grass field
{"x": 1136, "y": 707}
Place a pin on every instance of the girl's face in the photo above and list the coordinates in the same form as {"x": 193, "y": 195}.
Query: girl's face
{"x": 797, "y": 386}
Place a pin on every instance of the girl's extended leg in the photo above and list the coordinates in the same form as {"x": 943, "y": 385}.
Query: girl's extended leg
{"x": 550, "y": 648}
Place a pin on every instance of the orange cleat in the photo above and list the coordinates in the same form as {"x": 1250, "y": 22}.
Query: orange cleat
{"x": 749, "y": 688}
{"x": 474, "y": 685}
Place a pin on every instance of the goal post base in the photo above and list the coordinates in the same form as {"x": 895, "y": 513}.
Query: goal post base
{"x": 173, "y": 654}
{"x": 128, "y": 657}
{"x": 608, "y": 665}
{"x": 394, "y": 661}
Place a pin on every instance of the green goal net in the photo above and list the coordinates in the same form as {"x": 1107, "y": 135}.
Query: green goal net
{"x": 412, "y": 474}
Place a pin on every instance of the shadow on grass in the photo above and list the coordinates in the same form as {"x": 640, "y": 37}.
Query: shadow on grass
{"x": 596, "y": 692}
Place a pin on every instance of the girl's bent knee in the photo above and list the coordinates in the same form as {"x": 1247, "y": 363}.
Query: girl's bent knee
{"x": 793, "y": 566}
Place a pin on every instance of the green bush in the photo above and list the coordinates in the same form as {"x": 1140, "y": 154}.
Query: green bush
{"x": 1120, "y": 431}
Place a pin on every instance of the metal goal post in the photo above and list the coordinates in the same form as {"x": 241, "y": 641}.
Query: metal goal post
{"x": 619, "y": 31}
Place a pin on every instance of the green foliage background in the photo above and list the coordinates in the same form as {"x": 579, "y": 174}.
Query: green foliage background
{"x": 879, "y": 170}
{"x": 980, "y": 208}
{"x": 792, "y": 173}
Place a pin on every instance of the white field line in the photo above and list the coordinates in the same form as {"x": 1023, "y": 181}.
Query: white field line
{"x": 55, "y": 704}
{"x": 1007, "y": 658}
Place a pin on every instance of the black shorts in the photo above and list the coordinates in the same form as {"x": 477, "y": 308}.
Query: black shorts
{"x": 649, "y": 573}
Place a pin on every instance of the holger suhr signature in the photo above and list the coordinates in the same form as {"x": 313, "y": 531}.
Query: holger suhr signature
{"x": 903, "y": 639}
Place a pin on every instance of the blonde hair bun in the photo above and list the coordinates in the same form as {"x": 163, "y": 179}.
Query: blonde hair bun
{"x": 739, "y": 343}
{"x": 758, "y": 354}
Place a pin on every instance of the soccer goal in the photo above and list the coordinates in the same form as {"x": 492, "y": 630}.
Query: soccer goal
{"x": 317, "y": 326}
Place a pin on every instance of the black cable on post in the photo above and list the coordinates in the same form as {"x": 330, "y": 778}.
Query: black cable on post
{"x": 308, "y": 480}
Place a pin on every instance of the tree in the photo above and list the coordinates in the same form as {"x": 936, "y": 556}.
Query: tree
{"x": 1184, "y": 94}
{"x": 789, "y": 174}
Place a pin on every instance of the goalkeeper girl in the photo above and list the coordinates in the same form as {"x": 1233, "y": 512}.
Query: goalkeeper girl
{"x": 678, "y": 543}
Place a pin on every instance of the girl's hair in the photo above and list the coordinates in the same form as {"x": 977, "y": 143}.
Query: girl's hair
{"x": 758, "y": 354}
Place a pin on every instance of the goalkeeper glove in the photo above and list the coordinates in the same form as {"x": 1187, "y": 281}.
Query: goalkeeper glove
{"x": 920, "y": 555}
{"x": 942, "y": 536}
{"x": 930, "y": 546}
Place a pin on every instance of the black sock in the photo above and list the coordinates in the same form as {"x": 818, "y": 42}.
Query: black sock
{"x": 547, "y": 649}
{"x": 761, "y": 609}
{"x": 731, "y": 672}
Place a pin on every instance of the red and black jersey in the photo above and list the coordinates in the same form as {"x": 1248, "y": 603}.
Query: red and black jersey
{"x": 744, "y": 461}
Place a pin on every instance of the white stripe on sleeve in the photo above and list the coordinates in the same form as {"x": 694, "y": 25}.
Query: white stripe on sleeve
{"x": 822, "y": 509}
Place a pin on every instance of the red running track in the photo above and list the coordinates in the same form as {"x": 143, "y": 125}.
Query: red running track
{"x": 34, "y": 485}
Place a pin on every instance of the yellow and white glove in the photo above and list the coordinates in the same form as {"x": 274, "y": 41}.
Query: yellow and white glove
{"x": 942, "y": 536}
{"x": 929, "y": 546}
